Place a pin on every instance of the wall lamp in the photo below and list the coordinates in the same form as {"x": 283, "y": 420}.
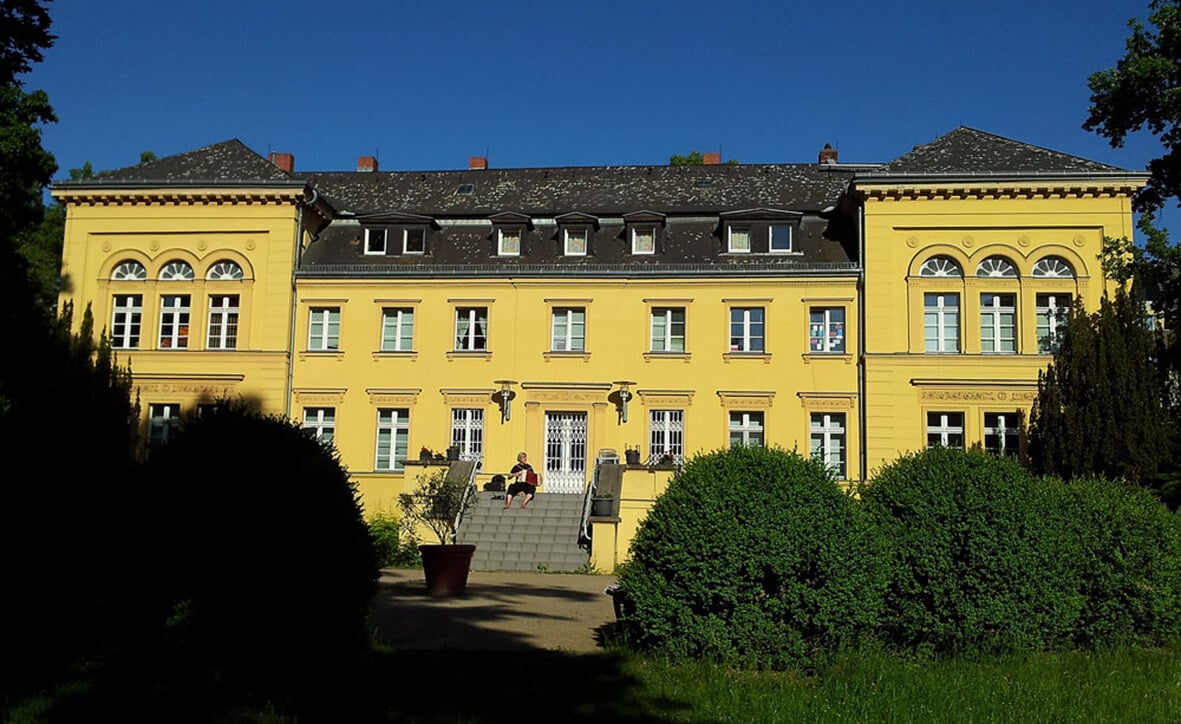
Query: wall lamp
{"x": 504, "y": 396}
{"x": 621, "y": 398}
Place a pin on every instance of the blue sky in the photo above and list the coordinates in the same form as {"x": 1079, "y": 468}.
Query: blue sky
{"x": 424, "y": 85}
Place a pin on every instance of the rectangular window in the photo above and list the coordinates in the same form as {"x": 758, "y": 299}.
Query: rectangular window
{"x": 746, "y": 428}
{"x": 125, "y": 321}
{"x": 827, "y": 441}
{"x": 1053, "y": 310}
{"x": 393, "y": 437}
{"x": 467, "y": 432}
{"x": 320, "y": 423}
{"x": 941, "y": 322}
{"x": 666, "y": 435}
{"x": 746, "y": 329}
{"x": 397, "y": 330}
{"x": 998, "y": 323}
{"x": 324, "y": 329}
{"x": 163, "y": 418}
{"x": 414, "y": 241}
{"x": 375, "y": 241}
{"x": 471, "y": 329}
{"x": 668, "y": 329}
{"x": 1002, "y": 433}
{"x": 174, "y": 321}
{"x": 575, "y": 242}
{"x": 739, "y": 239}
{"x": 946, "y": 429}
{"x": 644, "y": 240}
{"x": 780, "y": 239}
{"x": 223, "y": 322}
{"x": 508, "y": 242}
{"x": 569, "y": 330}
{"x": 826, "y": 329}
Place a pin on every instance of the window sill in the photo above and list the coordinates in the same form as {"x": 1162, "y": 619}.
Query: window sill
{"x": 382, "y": 354}
{"x": 474, "y": 354}
{"x": 731, "y": 356}
{"x": 548, "y": 356}
{"x": 810, "y": 357}
{"x": 682, "y": 356}
{"x": 323, "y": 354}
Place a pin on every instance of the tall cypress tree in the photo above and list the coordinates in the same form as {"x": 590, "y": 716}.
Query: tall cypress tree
{"x": 1100, "y": 408}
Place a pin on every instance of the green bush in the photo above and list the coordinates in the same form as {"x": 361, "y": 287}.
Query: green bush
{"x": 395, "y": 546}
{"x": 268, "y": 564}
{"x": 753, "y": 557}
{"x": 1128, "y": 564}
{"x": 982, "y": 557}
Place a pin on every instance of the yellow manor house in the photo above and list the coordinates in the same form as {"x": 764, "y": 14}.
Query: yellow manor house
{"x": 619, "y": 314}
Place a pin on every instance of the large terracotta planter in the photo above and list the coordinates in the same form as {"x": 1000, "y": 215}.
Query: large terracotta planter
{"x": 446, "y": 568}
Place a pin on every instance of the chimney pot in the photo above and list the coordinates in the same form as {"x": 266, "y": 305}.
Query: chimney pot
{"x": 477, "y": 163}
{"x": 828, "y": 155}
{"x": 366, "y": 163}
{"x": 285, "y": 161}
{"x": 711, "y": 159}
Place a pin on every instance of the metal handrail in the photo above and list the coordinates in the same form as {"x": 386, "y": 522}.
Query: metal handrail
{"x": 510, "y": 270}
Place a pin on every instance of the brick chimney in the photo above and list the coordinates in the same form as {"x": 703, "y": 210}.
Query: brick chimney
{"x": 828, "y": 155}
{"x": 477, "y": 163}
{"x": 366, "y": 163}
{"x": 285, "y": 161}
{"x": 711, "y": 159}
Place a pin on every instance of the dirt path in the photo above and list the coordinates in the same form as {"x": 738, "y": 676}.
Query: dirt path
{"x": 502, "y": 611}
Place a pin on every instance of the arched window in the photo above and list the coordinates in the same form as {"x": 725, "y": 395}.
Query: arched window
{"x": 225, "y": 271}
{"x": 1053, "y": 267}
{"x": 129, "y": 271}
{"x": 996, "y": 266}
{"x": 940, "y": 266}
{"x": 177, "y": 271}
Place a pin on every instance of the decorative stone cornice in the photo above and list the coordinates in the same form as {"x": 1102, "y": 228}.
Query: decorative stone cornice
{"x": 1001, "y": 191}
{"x": 180, "y": 197}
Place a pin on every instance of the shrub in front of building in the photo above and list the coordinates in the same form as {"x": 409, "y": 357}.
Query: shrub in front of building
{"x": 982, "y": 555}
{"x": 753, "y": 557}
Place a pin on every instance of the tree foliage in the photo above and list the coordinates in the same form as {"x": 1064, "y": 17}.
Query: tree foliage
{"x": 693, "y": 158}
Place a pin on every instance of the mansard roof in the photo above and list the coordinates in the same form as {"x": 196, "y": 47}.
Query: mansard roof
{"x": 226, "y": 163}
{"x": 969, "y": 152}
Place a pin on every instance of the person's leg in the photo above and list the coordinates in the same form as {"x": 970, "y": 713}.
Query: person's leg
{"x": 508, "y": 500}
{"x": 528, "y": 499}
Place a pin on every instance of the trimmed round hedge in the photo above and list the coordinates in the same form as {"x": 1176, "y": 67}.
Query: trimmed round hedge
{"x": 982, "y": 554}
{"x": 753, "y": 557}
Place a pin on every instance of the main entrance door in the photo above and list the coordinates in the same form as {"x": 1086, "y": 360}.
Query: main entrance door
{"x": 565, "y": 452}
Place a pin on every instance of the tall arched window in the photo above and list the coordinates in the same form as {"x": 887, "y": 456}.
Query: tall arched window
{"x": 940, "y": 266}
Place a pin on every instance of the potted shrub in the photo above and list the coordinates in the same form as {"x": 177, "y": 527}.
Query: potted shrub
{"x": 602, "y": 505}
{"x": 632, "y": 455}
{"x": 437, "y": 502}
{"x": 425, "y": 455}
{"x": 453, "y": 453}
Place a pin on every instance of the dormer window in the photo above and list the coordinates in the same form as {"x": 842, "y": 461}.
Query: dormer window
{"x": 375, "y": 241}
{"x": 508, "y": 242}
{"x": 575, "y": 242}
{"x": 576, "y": 233}
{"x": 760, "y": 231}
{"x": 643, "y": 230}
{"x": 414, "y": 241}
{"x": 643, "y": 239}
{"x": 397, "y": 233}
{"x": 509, "y": 231}
{"x": 780, "y": 239}
{"x": 739, "y": 240}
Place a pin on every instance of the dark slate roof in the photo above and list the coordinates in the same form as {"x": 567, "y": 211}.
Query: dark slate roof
{"x": 226, "y": 162}
{"x": 967, "y": 151}
{"x": 595, "y": 190}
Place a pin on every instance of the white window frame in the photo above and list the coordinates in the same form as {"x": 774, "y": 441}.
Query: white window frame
{"x": 995, "y": 311}
{"x": 222, "y": 330}
{"x": 505, "y": 249}
{"x": 175, "y": 318}
{"x": 420, "y": 232}
{"x": 177, "y": 271}
{"x": 1051, "y": 319}
{"x": 467, "y": 432}
{"x": 771, "y": 238}
{"x": 828, "y": 440}
{"x": 748, "y": 334}
{"x": 127, "y": 311}
{"x": 1002, "y": 434}
{"x": 564, "y": 323}
{"x": 320, "y": 422}
{"x": 225, "y": 271}
{"x": 666, "y": 435}
{"x": 945, "y": 425}
{"x": 397, "y": 329}
{"x": 569, "y": 236}
{"x": 945, "y": 317}
{"x": 163, "y": 418}
{"x": 826, "y": 330}
{"x": 471, "y": 329}
{"x": 375, "y": 241}
{"x": 663, "y": 321}
{"x": 635, "y": 239}
{"x": 1053, "y": 267}
{"x": 941, "y": 267}
{"x": 324, "y": 329}
{"x": 392, "y": 439}
{"x": 735, "y": 233}
{"x": 997, "y": 267}
{"x": 748, "y": 426}
{"x": 129, "y": 271}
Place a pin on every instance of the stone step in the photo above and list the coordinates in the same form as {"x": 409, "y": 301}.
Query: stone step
{"x": 544, "y": 536}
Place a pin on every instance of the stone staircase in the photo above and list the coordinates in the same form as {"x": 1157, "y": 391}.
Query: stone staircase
{"x": 542, "y": 537}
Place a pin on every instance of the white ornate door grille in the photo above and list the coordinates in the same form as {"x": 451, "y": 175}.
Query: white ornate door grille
{"x": 565, "y": 452}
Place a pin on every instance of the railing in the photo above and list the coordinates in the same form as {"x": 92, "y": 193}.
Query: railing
{"x": 469, "y": 492}
{"x": 728, "y": 268}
